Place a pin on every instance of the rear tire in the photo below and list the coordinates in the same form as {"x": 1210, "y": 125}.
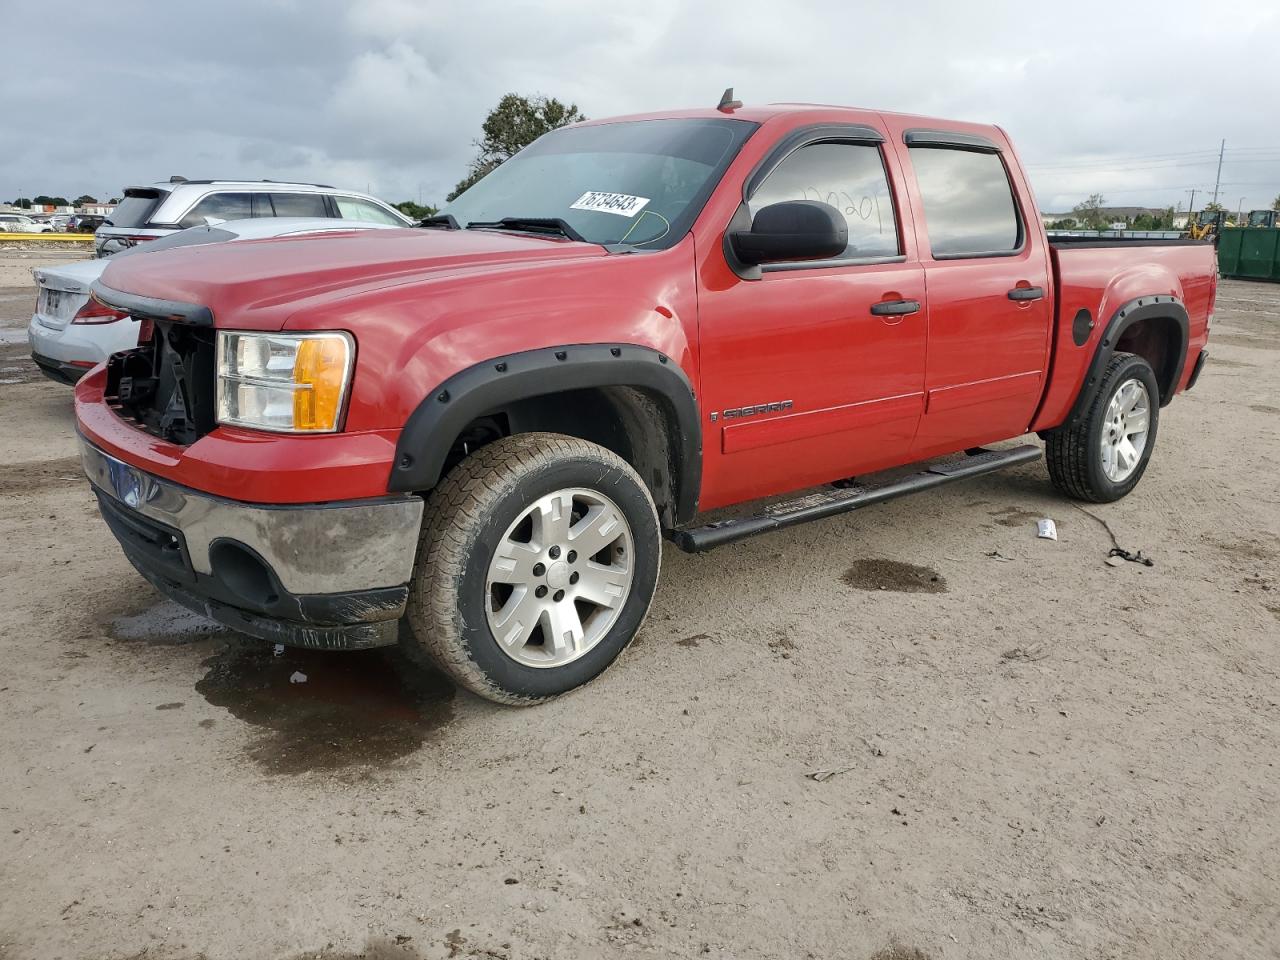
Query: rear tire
{"x": 1103, "y": 456}
{"x": 537, "y": 562}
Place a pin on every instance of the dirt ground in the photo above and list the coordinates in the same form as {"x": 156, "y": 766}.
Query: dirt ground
{"x": 1030, "y": 754}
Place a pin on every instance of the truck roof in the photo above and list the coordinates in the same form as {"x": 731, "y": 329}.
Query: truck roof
{"x": 770, "y": 111}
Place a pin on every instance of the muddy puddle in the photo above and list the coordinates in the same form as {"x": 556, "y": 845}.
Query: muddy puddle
{"x": 356, "y": 708}
{"x": 878, "y": 574}
{"x": 164, "y": 624}
{"x": 1013, "y": 516}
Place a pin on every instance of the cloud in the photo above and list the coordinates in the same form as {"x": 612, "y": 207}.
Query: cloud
{"x": 391, "y": 93}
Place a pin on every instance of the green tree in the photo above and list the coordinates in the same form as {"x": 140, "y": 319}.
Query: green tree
{"x": 22, "y": 202}
{"x": 49, "y": 201}
{"x": 416, "y": 211}
{"x": 85, "y": 198}
{"x": 1275, "y": 204}
{"x": 1214, "y": 208}
{"x": 513, "y": 124}
{"x": 1155, "y": 221}
{"x": 1090, "y": 215}
{"x": 1066, "y": 223}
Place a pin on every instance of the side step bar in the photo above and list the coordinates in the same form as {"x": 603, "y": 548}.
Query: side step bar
{"x": 828, "y": 503}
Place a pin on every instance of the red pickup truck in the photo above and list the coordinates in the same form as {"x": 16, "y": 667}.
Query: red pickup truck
{"x": 483, "y": 427}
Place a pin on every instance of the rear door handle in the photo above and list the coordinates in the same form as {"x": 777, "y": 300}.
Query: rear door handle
{"x": 895, "y": 308}
{"x": 1026, "y": 293}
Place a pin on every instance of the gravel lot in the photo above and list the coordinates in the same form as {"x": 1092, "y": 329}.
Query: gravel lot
{"x": 1039, "y": 757}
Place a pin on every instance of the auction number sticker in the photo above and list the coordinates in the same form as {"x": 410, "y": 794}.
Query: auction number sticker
{"x": 623, "y": 204}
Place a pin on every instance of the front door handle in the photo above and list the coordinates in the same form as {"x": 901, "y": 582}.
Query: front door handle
{"x": 895, "y": 308}
{"x": 1026, "y": 293}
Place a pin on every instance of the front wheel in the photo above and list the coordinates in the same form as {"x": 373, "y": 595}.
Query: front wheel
{"x": 538, "y": 559}
{"x": 1103, "y": 456}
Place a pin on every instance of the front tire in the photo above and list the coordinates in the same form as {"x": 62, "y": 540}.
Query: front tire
{"x": 538, "y": 559}
{"x": 1104, "y": 455}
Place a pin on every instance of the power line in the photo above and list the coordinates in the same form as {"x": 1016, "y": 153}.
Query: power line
{"x": 1172, "y": 165}
{"x": 1157, "y": 157}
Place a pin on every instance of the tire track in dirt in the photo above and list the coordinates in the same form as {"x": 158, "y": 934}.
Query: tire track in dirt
{"x": 28, "y": 477}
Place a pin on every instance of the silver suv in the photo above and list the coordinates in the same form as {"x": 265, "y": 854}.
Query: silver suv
{"x": 162, "y": 208}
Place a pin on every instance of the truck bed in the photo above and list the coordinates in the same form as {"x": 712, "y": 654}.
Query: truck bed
{"x": 1125, "y": 242}
{"x": 1102, "y": 276}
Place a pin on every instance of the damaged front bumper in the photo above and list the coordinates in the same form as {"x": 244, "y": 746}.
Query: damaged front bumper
{"x": 329, "y": 575}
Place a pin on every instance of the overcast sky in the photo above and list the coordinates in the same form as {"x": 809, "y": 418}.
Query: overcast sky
{"x": 1123, "y": 98}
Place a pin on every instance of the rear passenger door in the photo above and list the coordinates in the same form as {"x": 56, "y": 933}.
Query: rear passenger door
{"x": 222, "y": 206}
{"x": 309, "y": 205}
{"x": 987, "y": 272}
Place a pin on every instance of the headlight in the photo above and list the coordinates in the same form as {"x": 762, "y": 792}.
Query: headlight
{"x": 292, "y": 383}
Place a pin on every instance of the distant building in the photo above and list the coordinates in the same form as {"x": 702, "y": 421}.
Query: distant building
{"x": 98, "y": 209}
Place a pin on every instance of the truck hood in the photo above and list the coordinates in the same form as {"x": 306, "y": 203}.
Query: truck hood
{"x": 259, "y": 284}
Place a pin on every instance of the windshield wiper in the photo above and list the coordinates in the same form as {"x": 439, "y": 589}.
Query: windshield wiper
{"x": 551, "y": 225}
{"x": 440, "y": 220}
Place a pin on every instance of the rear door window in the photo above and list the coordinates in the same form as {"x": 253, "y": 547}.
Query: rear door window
{"x": 849, "y": 177}
{"x": 299, "y": 205}
{"x": 353, "y": 208}
{"x": 968, "y": 203}
{"x": 224, "y": 206}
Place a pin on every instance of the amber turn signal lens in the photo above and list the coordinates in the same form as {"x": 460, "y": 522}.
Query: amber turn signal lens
{"x": 320, "y": 374}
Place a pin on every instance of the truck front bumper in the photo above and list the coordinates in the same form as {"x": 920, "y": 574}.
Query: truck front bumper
{"x": 329, "y": 575}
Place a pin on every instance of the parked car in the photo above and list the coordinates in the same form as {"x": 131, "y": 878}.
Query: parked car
{"x": 85, "y": 223}
{"x": 57, "y": 223}
{"x": 163, "y": 208}
{"x": 70, "y": 333}
{"x": 485, "y": 429}
{"x": 19, "y": 223}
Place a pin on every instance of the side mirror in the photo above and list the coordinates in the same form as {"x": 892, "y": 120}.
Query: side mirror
{"x": 792, "y": 230}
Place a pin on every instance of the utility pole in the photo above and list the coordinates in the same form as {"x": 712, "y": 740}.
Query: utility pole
{"x": 1221, "y": 150}
{"x": 1192, "y": 208}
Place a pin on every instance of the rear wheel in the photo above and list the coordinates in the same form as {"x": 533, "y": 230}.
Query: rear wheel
{"x": 1103, "y": 456}
{"x": 538, "y": 559}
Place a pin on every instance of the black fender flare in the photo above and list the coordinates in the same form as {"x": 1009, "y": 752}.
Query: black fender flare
{"x": 1163, "y": 307}
{"x": 487, "y": 387}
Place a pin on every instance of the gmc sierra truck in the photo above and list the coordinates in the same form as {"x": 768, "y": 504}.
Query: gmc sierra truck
{"x": 482, "y": 428}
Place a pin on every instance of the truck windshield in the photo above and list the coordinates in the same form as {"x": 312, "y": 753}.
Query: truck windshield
{"x": 641, "y": 182}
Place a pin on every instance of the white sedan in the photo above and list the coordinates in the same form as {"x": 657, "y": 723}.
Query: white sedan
{"x": 19, "y": 223}
{"x": 71, "y": 333}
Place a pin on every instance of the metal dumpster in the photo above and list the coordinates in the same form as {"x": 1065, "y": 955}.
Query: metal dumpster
{"x": 1249, "y": 253}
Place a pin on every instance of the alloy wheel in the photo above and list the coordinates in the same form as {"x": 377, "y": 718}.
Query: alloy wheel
{"x": 559, "y": 577}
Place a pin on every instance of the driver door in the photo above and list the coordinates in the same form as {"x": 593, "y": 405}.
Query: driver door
{"x": 815, "y": 371}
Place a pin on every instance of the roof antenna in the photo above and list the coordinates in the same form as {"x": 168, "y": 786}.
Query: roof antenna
{"x": 727, "y": 103}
